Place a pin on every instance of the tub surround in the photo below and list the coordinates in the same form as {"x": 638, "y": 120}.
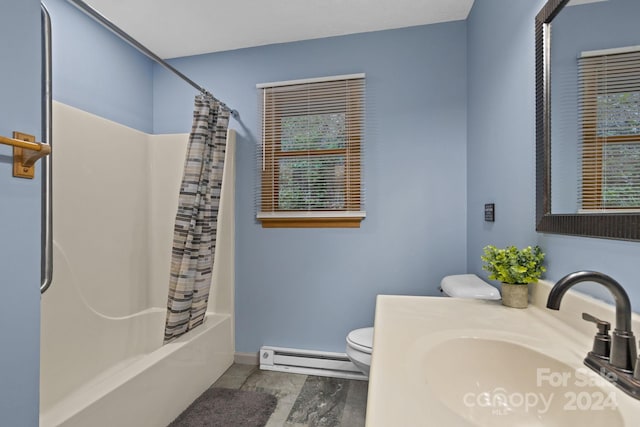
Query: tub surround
{"x": 102, "y": 359}
{"x": 409, "y": 331}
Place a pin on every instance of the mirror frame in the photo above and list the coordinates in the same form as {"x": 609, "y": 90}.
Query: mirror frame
{"x": 603, "y": 225}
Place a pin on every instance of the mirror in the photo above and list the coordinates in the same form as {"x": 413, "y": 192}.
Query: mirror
{"x": 588, "y": 118}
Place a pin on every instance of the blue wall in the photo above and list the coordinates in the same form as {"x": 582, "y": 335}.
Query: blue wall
{"x": 500, "y": 127}
{"x": 19, "y": 216}
{"x": 95, "y": 71}
{"x": 501, "y": 146}
{"x": 306, "y": 288}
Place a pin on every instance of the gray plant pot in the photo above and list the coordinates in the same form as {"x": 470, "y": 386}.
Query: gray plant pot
{"x": 516, "y": 296}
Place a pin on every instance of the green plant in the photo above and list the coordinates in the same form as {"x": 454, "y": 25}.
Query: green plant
{"x": 513, "y": 265}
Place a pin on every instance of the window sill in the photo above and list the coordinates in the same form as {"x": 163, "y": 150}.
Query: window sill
{"x": 311, "y": 219}
{"x": 609, "y": 211}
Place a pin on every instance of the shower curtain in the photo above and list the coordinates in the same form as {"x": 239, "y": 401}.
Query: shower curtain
{"x": 194, "y": 237}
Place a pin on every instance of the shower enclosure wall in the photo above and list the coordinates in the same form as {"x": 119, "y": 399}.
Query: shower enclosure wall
{"x": 114, "y": 203}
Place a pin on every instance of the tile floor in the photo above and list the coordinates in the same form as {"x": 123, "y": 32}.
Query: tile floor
{"x": 303, "y": 400}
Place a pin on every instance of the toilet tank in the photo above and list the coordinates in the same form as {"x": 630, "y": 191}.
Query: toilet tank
{"x": 468, "y": 286}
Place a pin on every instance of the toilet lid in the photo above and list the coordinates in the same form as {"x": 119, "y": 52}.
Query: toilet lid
{"x": 361, "y": 339}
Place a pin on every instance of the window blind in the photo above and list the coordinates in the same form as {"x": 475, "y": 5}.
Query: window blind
{"x": 310, "y": 159}
{"x": 609, "y": 85}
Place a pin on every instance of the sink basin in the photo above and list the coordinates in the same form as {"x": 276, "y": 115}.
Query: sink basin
{"x": 496, "y": 383}
{"x": 459, "y": 363}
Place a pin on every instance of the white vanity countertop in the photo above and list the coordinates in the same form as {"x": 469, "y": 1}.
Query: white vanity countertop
{"x": 404, "y": 389}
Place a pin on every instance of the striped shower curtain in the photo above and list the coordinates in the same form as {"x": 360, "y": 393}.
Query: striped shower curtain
{"x": 194, "y": 236}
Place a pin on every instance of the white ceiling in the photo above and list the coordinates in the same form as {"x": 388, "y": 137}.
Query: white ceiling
{"x": 172, "y": 28}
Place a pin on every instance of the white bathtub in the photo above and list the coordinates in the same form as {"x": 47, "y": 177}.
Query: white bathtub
{"x": 102, "y": 362}
{"x": 149, "y": 389}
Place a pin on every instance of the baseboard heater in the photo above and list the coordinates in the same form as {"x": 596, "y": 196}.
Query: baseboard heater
{"x": 322, "y": 363}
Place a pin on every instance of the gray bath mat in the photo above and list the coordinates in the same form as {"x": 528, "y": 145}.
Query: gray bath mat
{"x": 223, "y": 407}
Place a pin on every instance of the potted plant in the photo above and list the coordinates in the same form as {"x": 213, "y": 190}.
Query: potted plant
{"x": 515, "y": 268}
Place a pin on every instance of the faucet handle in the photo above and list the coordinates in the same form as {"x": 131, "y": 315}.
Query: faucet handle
{"x": 602, "y": 340}
{"x": 603, "y": 327}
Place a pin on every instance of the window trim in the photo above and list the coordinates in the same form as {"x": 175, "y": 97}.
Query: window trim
{"x": 268, "y": 213}
{"x": 311, "y": 219}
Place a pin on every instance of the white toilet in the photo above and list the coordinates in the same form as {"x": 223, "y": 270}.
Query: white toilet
{"x": 360, "y": 341}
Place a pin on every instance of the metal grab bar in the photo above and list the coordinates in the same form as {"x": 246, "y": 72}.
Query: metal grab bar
{"x": 46, "y": 255}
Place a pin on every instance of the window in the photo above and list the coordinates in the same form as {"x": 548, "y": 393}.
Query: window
{"x": 311, "y": 153}
{"x": 610, "y": 110}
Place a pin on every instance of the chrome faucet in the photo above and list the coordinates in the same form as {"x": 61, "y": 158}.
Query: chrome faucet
{"x": 614, "y": 358}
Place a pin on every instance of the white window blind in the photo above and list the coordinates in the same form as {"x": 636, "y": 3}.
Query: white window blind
{"x": 609, "y": 85}
{"x": 310, "y": 159}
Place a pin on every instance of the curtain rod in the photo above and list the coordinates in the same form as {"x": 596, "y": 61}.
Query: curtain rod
{"x": 101, "y": 19}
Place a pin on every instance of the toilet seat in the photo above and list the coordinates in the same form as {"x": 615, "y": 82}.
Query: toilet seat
{"x": 361, "y": 339}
